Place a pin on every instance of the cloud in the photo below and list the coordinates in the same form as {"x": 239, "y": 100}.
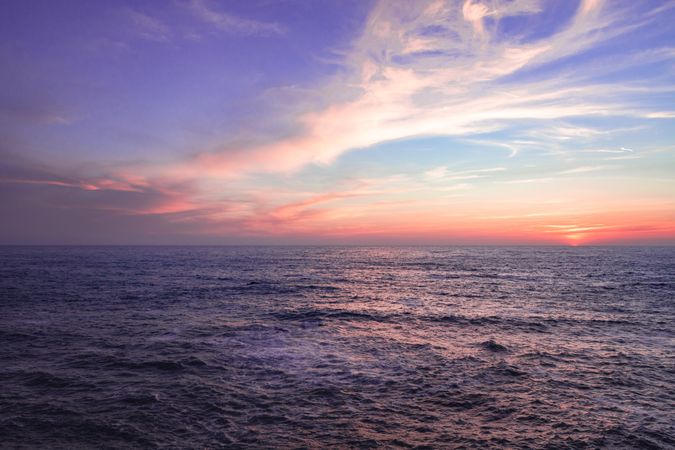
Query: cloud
{"x": 153, "y": 28}
{"x": 529, "y": 180}
{"x": 474, "y": 14}
{"x": 112, "y": 191}
{"x": 78, "y": 185}
{"x": 583, "y": 169}
{"x": 148, "y": 27}
{"x": 620, "y": 150}
{"x": 475, "y": 11}
{"x": 228, "y": 23}
{"x": 437, "y": 172}
{"x": 661, "y": 115}
{"x": 473, "y": 174}
{"x": 601, "y": 232}
{"x": 401, "y": 80}
{"x": 31, "y": 108}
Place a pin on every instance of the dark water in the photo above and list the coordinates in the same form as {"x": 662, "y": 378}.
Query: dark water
{"x": 337, "y": 347}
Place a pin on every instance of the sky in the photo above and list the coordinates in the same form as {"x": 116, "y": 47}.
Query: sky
{"x": 468, "y": 122}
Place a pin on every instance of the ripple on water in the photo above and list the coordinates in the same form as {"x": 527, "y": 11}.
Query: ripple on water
{"x": 172, "y": 347}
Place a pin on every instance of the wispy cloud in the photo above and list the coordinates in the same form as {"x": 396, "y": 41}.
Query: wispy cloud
{"x": 78, "y": 185}
{"x": 620, "y": 150}
{"x": 529, "y": 180}
{"x": 437, "y": 172}
{"x": 209, "y": 14}
{"x": 33, "y": 108}
{"x": 401, "y": 81}
{"x": 583, "y": 169}
{"x": 661, "y": 115}
{"x": 157, "y": 27}
{"x": 148, "y": 27}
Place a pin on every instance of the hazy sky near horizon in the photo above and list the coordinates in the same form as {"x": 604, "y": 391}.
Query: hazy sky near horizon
{"x": 337, "y": 121}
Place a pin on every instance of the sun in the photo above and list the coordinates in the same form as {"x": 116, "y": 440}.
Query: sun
{"x": 576, "y": 239}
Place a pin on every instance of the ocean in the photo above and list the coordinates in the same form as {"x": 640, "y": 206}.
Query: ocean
{"x": 337, "y": 347}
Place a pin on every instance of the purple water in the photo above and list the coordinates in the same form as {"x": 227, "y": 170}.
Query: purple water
{"x": 306, "y": 347}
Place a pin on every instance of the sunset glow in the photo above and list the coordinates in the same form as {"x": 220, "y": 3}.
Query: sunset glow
{"x": 426, "y": 122}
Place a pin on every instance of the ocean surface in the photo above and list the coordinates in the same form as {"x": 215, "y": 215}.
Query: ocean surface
{"x": 337, "y": 347}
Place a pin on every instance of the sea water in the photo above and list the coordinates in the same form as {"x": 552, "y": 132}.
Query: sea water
{"x": 337, "y": 347}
